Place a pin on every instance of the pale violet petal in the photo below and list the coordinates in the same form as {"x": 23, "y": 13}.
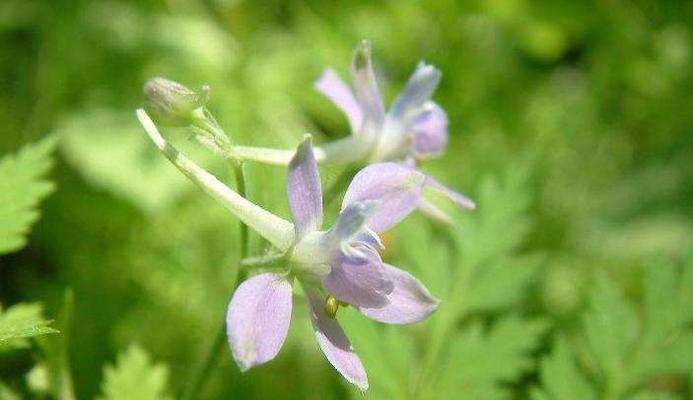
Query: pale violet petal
{"x": 257, "y": 319}
{"x": 304, "y": 191}
{"x": 430, "y": 131}
{"x": 360, "y": 282}
{"x": 334, "y": 343}
{"x": 332, "y": 87}
{"x": 366, "y": 86}
{"x": 418, "y": 91}
{"x": 409, "y": 300}
{"x": 395, "y": 186}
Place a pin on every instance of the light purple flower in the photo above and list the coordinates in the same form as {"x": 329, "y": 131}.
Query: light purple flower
{"x": 342, "y": 262}
{"x": 414, "y": 128}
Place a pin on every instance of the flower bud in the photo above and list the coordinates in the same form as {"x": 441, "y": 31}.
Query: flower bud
{"x": 171, "y": 103}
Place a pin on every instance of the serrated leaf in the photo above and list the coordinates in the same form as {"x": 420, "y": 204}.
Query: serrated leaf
{"x": 481, "y": 362}
{"x": 22, "y": 321}
{"x": 22, "y": 187}
{"x": 135, "y": 377}
{"x": 611, "y": 327}
{"x": 561, "y": 378}
{"x": 667, "y": 342}
{"x": 491, "y": 275}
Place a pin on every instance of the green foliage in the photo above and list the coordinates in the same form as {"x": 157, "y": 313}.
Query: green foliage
{"x": 570, "y": 126}
{"x": 20, "y": 322}
{"x": 135, "y": 377}
{"x": 482, "y": 363}
{"x": 22, "y": 187}
{"x": 624, "y": 352}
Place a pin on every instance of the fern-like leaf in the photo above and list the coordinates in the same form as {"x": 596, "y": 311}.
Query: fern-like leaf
{"x": 135, "y": 377}
{"x": 22, "y": 186}
{"x": 20, "y": 322}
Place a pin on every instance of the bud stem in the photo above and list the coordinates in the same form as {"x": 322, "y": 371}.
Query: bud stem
{"x": 276, "y": 230}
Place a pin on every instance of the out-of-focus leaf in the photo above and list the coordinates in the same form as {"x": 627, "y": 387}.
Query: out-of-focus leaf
{"x": 20, "y": 322}
{"x": 625, "y": 352}
{"x": 388, "y": 354}
{"x": 611, "y": 326}
{"x": 135, "y": 377}
{"x": 561, "y": 377}
{"x": 22, "y": 187}
{"x": 482, "y": 362}
{"x": 112, "y": 152}
{"x": 6, "y": 393}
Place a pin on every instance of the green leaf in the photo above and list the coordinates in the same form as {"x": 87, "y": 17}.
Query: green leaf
{"x": 482, "y": 362}
{"x": 491, "y": 275}
{"x": 22, "y": 187}
{"x": 6, "y": 393}
{"x": 624, "y": 352}
{"x": 611, "y": 328}
{"x": 20, "y": 322}
{"x": 667, "y": 341}
{"x": 561, "y": 377}
{"x": 135, "y": 377}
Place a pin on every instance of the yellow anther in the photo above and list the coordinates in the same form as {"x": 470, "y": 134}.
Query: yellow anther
{"x": 331, "y": 306}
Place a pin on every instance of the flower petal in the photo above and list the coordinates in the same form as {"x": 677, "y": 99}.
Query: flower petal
{"x": 257, "y": 319}
{"x": 430, "y": 131}
{"x": 397, "y": 187}
{"x": 334, "y": 343}
{"x": 367, "y": 90}
{"x": 457, "y": 198}
{"x": 332, "y": 86}
{"x": 304, "y": 191}
{"x": 418, "y": 91}
{"x": 409, "y": 301}
{"x": 361, "y": 281}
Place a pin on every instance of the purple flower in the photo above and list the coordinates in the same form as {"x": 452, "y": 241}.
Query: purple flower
{"x": 340, "y": 265}
{"x": 414, "y": 128}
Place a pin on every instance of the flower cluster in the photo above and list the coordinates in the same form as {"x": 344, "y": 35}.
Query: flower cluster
{"x": 341, "y": 265}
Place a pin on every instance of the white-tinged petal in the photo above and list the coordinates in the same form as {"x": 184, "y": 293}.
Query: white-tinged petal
{"x": 396, "y": 187}
{"x": 332, "y": 86}
{"x": 366, "y": 87}
{"x": 304, "y": 190}
{"x": 257, "y": 320}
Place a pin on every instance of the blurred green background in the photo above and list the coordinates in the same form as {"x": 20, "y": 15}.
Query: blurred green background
{"x": 571, "y": 126}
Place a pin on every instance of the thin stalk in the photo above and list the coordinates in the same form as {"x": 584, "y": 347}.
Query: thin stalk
{"x": 217, "y": 347}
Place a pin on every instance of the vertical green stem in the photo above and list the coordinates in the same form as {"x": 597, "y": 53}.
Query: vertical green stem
{"x": 192, "y": 390}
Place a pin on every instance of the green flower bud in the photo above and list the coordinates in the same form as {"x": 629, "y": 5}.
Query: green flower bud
{"x": 171, "y": 103}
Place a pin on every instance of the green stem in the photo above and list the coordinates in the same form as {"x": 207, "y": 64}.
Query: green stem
{"x": 212, "y": 358}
